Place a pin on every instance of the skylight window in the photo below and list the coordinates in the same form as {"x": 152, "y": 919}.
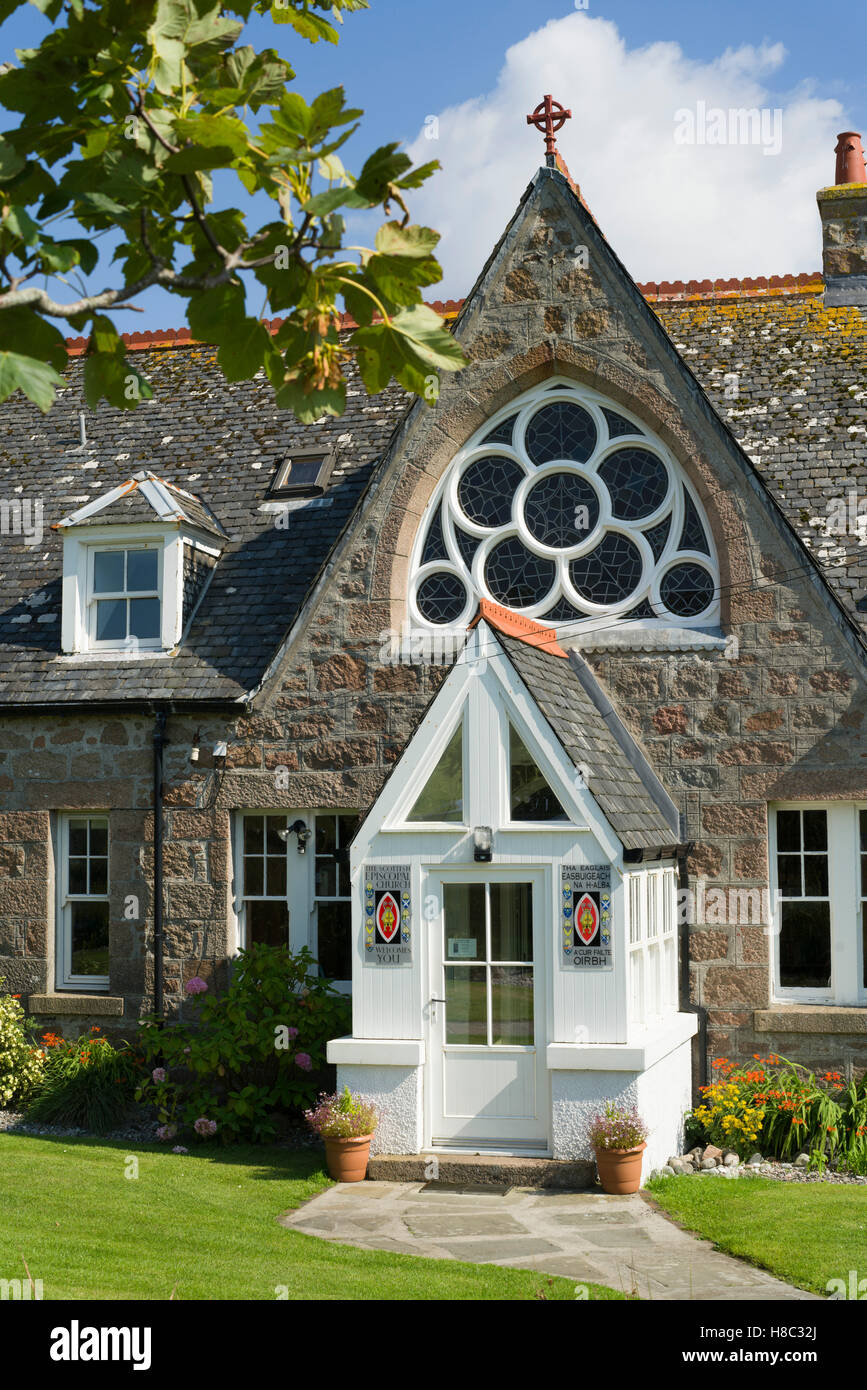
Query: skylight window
{"x": 303, "y": 473}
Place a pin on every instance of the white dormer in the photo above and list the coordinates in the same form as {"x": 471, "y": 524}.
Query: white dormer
{"x": 135, "y": 564}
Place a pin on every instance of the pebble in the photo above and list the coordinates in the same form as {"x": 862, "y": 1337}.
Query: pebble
{"x": 731, "y": 1167}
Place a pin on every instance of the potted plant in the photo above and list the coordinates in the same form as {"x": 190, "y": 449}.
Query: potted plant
{"x": 619, "y": 1139}
{"x": 346, "y": 1122}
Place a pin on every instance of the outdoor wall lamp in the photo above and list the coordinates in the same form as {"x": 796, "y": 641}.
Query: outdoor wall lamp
{"x": 194, "y": 751}
{"x": 482, "y": 838}
{"x": 301, "y": 830}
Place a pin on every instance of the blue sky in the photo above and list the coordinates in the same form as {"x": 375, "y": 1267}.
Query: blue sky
{"x": 625, "y": 68}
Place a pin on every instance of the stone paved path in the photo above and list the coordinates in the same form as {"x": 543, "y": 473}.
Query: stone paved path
{"x": 586, "y": 1236}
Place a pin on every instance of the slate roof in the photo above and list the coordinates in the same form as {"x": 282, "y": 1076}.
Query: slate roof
{"x": 631, "y": 797}
{"x": 145, "y": 498}
{"x": 218, "y": 440}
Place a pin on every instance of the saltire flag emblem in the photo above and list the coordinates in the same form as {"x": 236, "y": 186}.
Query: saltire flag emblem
{"x": 586, "y": 919}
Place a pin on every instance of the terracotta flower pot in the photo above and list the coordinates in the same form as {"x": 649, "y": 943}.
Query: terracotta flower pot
{"x": 347, "y": 1158}
{"x": 620, "y": 1169}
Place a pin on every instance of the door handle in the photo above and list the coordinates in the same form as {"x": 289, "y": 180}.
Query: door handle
{"x": 435, "y": 1002}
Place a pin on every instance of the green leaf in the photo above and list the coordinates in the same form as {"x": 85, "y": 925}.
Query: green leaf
{"x": 11, "y": 162}
{"x": 36, "y": 379}
{"x": 241, "y": 355}
{"x": 19, "y": 222}
{"x": 33, "y": 335}
{"x": 381, "y": 170}
{"x": 309, "y": 26}
{"x": 394, "y": 240}
{"x": 214, "y": 131}
{"x": 109, "y": 375}
{"x": 323, "y": 203}
{"x": 423, "y": 329}
{"x": 215, "y": 314}
{"x": 196, "y": 157}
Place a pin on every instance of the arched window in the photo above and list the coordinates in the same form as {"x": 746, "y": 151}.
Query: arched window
{"x": 564, "y": 509}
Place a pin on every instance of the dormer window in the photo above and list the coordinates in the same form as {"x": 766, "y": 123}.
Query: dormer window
{"x": 136, "y": 563}
{"x": 303, "y": 473}
{"x": 124, "y": 602}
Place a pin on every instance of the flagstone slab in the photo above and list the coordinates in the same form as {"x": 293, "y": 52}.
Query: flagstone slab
{"x": 433, "y": 1225}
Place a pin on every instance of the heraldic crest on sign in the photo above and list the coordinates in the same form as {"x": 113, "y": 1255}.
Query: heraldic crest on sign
{"x": 585, "y": 897}
{"x": 387, "y": 914}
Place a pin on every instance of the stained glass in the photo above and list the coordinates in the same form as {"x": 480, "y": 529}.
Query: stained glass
{"x": 562, "y": 612}
{"x": 618, "y": 425}
{"x": 467, "y": 545}
{"x": 486, "y": 490}
{"x": 561, "y": 510}
{"x": 692, "y": 537}
{"x": 441, "y": 598}
{"x": 610, "y": 572}
{"x": 502, "y": 433}
{"x": 515, "y": 576}
{"x": 656, "y": 536}
{"x": 434, "y": 543}
{"x": 561, "y": 430}
{"x": 686, "y": 590}
{"x": 637, "y": 481}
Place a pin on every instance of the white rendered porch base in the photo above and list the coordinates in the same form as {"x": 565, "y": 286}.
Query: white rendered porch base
{"x": 653, "y": 1073}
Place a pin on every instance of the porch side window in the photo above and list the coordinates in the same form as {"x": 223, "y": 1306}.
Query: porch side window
{"x": 265, "y": 903}
{"x": 805, "y": 903}
{"x": 83, "y": 960}
{"x": 334, "y": 832}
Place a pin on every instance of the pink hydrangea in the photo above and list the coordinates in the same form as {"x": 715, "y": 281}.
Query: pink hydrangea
{"x": 205, "y": 1127}
{"x": 159, "y": 1073}
{"x": 292, "y": 1032}
{"x": 196, "y": 985}
{"x": 303, "y": 1061}
{"x": 166, "y": 1132}
{"x": 179, "y": 1149}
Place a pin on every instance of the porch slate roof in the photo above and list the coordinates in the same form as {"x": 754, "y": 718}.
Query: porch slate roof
{"x": 629, "y": 793}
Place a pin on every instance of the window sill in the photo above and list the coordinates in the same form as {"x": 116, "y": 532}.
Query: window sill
{"x": 85, "y": 1004}
{"x": 811, "y": 1018}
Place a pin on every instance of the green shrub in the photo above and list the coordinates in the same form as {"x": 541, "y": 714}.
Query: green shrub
{"x": 86, "y": 1084}
{"x": 21, "y": 1062}
{"x": 255, "y": 1051}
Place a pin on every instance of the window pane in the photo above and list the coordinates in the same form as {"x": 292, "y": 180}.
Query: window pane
{"x": 789, "y": 874}
{"x": 531, "y": 796}
{"x": 141, "y": 570}
{"x": 816, "y": 875}
{"x": 99, "y": 876}
{"x": 862, "y": 821}
{"x": 108, "y": 572}
{"x": 864, "y": 875}
{"x": 347, "y": 826}
{"x": 443, "y": 796}
{"x": 511, "y": 921}
{"x": 111, "y": 620}
{"x": 275, "y": 844}
{"x": 78, "y": 875}
{"x": 254, "y": 877}
{"x": 78, "y": 837}
{"x": 253, "y": 835}
{"x": 788, "y": 830}
{"x": 89, "y": 925}
{"x": 267, "y": 924}
{"x": 326, "y": 834}
{"x": 144, "y": 618}
{"x": 334, "y": 938}
{"x": 464, "y": 919}
{"x": 276, "y": 877}
{"x": 326, "y": 878}
{"x": 805, "y": 946}
{"x": 815, "y": 830}
{"x": 466, "y": 1004}
{"x": 98, "y": 838}
{"x": 512, "y": 1005}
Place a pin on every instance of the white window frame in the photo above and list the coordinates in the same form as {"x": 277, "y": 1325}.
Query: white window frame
{"x": 92, "y": 598}
{"x": 651, "y": 898}
{"x": 63, "y": 973}
{"x": 846, "y": 907}
{"x": 301, "y": 898}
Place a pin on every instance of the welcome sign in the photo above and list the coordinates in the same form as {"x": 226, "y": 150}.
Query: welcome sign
{"x": 585, "y": 909}
{"x": 387, "y": 914}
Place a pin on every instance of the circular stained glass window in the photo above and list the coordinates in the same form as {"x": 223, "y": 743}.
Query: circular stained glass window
{"x": 486, "y": 490}
{"x": 441, "y": 598}
{"x": 597, "y": 482}
{"x": 561, "y": 430}
{"x": 637, "y": 481}
{"x": 515, "y": 576}
{"x": 561, "y": 510}
{"x": 609, "y": 572}
{"x": 686, "y": 590}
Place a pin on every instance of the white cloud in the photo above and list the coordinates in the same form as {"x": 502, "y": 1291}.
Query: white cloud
{"x": 671, "y": 211}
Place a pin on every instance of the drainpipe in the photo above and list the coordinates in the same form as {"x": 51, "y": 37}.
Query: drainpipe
{"x": 699, "y": 1061}
{"x": 159, "y": 745}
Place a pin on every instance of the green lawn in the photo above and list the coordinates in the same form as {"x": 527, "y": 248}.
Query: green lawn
{"x": 204, "y": 1225}
{"x": 805, "y": 1233}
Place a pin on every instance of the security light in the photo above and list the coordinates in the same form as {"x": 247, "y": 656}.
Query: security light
{"x": 301, "y": 830}
{"x": 482, "y": 839}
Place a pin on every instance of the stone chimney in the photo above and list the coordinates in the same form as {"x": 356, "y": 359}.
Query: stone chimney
{"x": 843, "y": 210}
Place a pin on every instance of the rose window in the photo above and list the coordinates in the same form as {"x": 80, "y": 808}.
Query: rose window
{"x": 565, "y": 510}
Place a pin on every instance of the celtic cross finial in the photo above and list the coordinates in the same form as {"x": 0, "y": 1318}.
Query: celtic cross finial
{"x": 548, "y": 117}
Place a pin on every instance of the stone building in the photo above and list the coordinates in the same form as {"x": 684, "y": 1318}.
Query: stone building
{"x": 645, "y": 504}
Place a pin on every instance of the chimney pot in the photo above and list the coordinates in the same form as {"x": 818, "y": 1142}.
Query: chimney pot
{"x": 850, "y": 158}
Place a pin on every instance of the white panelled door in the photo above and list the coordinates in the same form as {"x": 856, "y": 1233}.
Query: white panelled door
{"x": 488, "y": 1076}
